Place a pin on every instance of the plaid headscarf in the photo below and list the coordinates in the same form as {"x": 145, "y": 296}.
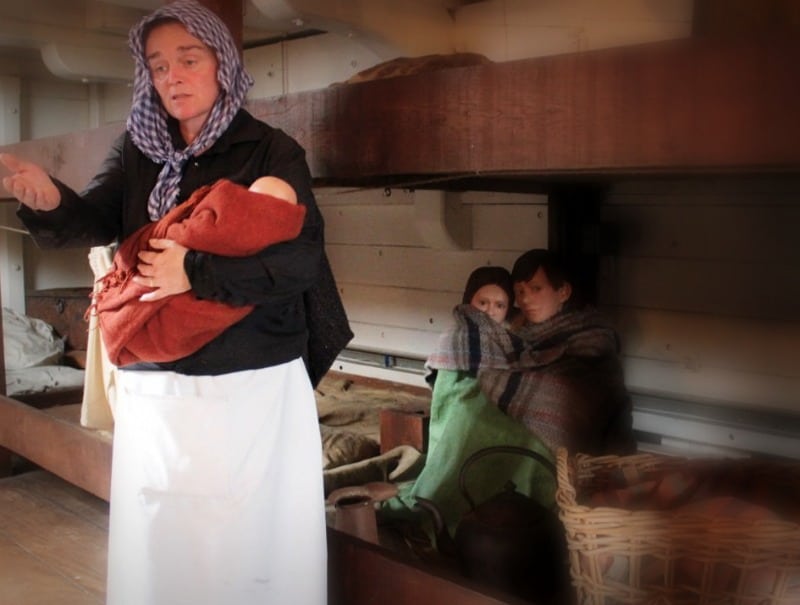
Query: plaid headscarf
{"x": 147, "y": 121}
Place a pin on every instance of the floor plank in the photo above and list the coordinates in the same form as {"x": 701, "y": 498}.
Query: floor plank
{"x": 52, "y": 542}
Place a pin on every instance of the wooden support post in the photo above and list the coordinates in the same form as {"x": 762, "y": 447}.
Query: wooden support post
{"x": 5, "y": 454}
{"x": 231, "y": 12}
{"x": 2, "y": 356}
{"x": 574, "y": 232}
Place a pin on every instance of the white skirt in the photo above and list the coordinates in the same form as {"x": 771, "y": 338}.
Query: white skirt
{"x": 216, "y": 490}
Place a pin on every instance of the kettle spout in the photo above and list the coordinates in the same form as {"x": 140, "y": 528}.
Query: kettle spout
{"x": 444, "y": 542}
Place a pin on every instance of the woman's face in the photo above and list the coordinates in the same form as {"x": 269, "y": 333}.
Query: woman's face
{"x": 184, "y": 72}
{"x": 537, "y": 299}
{"x": 492, "y": 300}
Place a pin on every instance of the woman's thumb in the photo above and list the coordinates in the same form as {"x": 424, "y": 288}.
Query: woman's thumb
{"x": 10, "y": 161}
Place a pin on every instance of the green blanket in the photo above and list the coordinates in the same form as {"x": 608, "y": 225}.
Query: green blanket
{"x": 462, "y": 422}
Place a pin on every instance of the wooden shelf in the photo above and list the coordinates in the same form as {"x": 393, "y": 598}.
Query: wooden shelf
{"x": 683, "y": 107}
{"x": 680, "y": 107}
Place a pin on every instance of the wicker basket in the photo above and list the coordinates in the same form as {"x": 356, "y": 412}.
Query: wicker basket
{"x": 624, "y": 557}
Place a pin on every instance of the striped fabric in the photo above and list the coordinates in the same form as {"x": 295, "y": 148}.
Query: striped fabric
{"x": 560, "y": 378}
{"x": 147, "y": 121}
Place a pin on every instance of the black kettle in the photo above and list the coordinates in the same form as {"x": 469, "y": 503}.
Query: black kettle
{"x": 510, "y": 541}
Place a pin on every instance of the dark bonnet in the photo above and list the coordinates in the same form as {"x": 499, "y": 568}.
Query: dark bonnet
{"x": 484, "y": 276}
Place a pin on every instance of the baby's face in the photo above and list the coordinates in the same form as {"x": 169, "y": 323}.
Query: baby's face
{"x": 492, "y": 300}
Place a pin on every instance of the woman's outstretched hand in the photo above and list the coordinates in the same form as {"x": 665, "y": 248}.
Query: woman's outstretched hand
{"x": 30, "y": 184}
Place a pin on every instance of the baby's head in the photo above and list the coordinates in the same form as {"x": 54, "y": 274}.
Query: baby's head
{"x": 490, "y": 290}
{"x": 272, "y": 185}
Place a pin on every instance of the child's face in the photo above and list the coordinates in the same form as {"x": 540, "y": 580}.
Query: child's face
{"x": 492, "y": 300}
{"x": 538, "y": 299}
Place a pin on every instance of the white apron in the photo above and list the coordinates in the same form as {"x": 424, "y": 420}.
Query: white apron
{"x": 216, "y": 490}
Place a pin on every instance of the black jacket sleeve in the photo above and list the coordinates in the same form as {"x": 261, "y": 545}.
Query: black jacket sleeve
{"x": 92, "y": 218}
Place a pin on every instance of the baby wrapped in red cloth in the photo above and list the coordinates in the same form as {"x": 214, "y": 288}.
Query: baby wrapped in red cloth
{"x": 223, "y": 218}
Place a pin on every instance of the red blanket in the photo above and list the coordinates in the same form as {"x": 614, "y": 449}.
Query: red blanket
{"x": 224, "y": 219}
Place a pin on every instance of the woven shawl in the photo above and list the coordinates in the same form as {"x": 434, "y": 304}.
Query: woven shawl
{"x": 562, "y": 378}
{"x": 223, "y": 218}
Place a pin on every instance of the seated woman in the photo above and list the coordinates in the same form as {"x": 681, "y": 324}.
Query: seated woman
{"x": 553, "y": 379}
{"x": 488, "y": 289}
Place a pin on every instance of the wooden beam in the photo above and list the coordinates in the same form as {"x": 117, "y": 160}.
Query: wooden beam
{"x": 677, "y": 108}
{"x": 2, "y": 358}
{"x": 5, "y": 454}
{"x": 54, "y": 440}
{"x": 745, "y": 17}
{"x": 682, "y": 107}
{"x": 361, "y": 573}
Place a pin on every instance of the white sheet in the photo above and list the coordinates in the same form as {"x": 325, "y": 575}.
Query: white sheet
{"x": 29, "y": 342}
{"x": 41, "y": 379}
{"x": 32, "y": 351}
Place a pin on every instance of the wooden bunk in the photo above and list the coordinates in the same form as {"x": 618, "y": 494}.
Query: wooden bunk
{"x": 678, "y": 108}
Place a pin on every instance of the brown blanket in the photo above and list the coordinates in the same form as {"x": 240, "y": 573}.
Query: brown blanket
{"x": 561, "y": 378}
{"x": 224, "y": 219}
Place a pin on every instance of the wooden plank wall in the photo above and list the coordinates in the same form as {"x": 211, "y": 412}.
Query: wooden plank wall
{"x": 398, "y": 290}
{"x": 705, "y": 286}
{"x": 703, "y": 281}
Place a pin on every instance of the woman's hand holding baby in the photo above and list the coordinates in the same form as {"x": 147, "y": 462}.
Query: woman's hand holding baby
{"x": 162, "y": 270}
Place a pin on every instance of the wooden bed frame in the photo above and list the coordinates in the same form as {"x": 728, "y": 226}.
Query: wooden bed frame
{"x": 680, "y": 108}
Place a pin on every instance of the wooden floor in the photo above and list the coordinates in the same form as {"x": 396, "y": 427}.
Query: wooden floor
{"x": 54, "y": 526}
{"x": 52, "y": 542}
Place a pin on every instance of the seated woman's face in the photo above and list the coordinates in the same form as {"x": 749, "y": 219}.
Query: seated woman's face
{"x": 492, "y": 300}
{"x": 537, "y": 299}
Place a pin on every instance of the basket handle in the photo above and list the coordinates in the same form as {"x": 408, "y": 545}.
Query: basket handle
{"x": 565, "y": 494}
{"x": 499, "y": 449}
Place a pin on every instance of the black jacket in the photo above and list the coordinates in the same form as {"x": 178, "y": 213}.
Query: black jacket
{"x": 114, "y": 205}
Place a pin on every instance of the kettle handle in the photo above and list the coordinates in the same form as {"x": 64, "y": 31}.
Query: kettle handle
{"x": 499, "y": 449}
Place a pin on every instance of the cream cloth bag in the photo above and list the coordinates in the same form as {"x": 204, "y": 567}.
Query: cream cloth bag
{"x": 99, "y": 382}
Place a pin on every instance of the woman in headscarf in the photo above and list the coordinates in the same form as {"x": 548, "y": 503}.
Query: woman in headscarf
{"x": 216, "y": 493}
